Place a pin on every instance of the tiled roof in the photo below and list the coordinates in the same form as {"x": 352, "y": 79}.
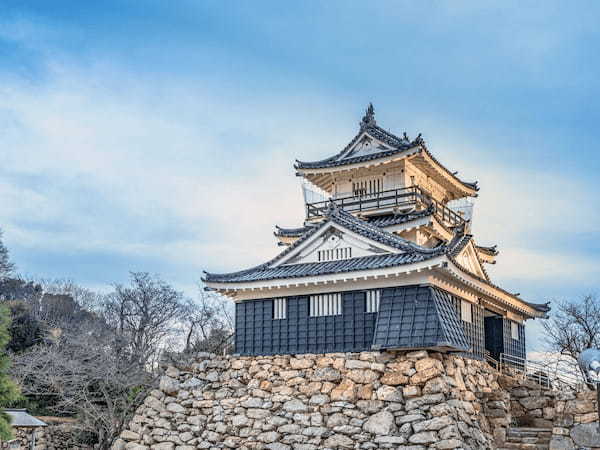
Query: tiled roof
{"x": 412, "y": 253}
{"x": 418, "y": 317}
{"x": 379, "y": 221}
{"x": 396, "y": 219}
{"x": 398, "y": 144}
{"x": 292, "y": 232}
{"x": 262, "y": 273}
{"x": 541, "y": 307}
{"x": 493, "y": 250}
{"x": 369, "y": 126}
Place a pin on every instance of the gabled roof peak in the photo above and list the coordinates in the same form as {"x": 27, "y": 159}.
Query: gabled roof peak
{"x": 368, "y": 119}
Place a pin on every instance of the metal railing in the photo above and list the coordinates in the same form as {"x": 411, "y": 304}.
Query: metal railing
{"x": 401, "y": 198}
{"x": 541, "y": 373}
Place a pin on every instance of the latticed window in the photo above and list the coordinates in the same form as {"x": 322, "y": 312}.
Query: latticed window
{"x": 325, "y": 305}
{"x": 279, "y": 308}
{"x": 372, "y": 298}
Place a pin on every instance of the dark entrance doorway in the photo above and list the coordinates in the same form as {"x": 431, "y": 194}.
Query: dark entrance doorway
{"x": 493, "y": 325}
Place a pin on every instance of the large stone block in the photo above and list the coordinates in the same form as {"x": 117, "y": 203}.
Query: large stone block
{"x": 586, "y": 434}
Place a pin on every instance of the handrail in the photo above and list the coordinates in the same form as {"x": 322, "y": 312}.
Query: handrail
{"x": 400, "y": 197}
{"x": 541, "y": 374}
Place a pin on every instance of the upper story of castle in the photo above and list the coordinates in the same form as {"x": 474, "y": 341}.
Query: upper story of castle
{"x": 379, "y": 173}
{"x": 394, "y": 183}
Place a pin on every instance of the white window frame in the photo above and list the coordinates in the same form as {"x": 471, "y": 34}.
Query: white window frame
{"x": 279, "y": 308}
{"x": 514, "y": 330}
{"x": 466, "y": 311}
{"x": 325, "y": 305}
{"x": 373, "y": 298}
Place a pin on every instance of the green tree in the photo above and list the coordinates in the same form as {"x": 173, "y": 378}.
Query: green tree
{"x": 8, "y": 390}
{"x": 6, "y": 267}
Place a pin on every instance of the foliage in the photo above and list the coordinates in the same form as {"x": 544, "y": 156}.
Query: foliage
{"x": 26, "y": 330}
{"x": 87, "y": 378}
{"x": 92, "y": 356}
{"x": 8, "y": 390}
{"x": 6, "y": 267}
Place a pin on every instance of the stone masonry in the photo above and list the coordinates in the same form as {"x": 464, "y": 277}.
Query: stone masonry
{"x": 407, "y": 401}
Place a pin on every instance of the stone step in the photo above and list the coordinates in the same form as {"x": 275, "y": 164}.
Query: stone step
{"x": 527, "y": 438}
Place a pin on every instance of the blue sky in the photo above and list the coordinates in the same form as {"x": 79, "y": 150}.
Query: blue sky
{"x": 160, "y": 136}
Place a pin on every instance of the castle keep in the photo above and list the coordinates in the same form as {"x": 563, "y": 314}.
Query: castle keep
{"x": 385, "y": 260}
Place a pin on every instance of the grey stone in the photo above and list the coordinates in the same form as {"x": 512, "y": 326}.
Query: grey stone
{"x": 381, "y": 423}
{"x": 339, "y": 441}
{"x": 426, "y": 437}
{"x": 561, "y": 443}
{"x": 327, "y": 374}
{"x": 586, "y": 435}
{"x": 295, "y": 406}
{"x": 168, "y": 385}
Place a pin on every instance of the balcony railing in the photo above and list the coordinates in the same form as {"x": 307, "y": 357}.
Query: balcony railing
{"x": 400, "y": 199}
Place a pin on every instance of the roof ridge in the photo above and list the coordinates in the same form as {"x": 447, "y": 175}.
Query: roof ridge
{"x": 346, "y": 220}
{"x": 401, "y": 243}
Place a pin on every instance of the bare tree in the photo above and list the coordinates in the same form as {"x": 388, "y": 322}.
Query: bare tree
{"x": 574, "y": 326}
{"x": 208, "y": 324}
{"x": 82, "y": 375}
{"x": 144, "y": 314}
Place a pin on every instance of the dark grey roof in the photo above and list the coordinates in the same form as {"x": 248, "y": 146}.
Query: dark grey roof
{"x": 292, "y": 232}
{"x": 396, "y": 219}
{"x": 418, "y": 317}
{"x": 541, "y": 307}
{"x": 342, "y": 158}
{"x": 493, "y": 250}
{"x": 413, "y": 253}
{"x": 262, "y": 273}
{"x": 20, "y": 418}
{"x": 379, "y": 221}
{"x": 398, "y": 145}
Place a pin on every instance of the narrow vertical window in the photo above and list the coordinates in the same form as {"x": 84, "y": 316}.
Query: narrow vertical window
{"x": 325, "y": 305}
{"x": 514, "y": 330}
{"x": 466, "y": 311}
{"x": 372, "y": 298}
{"x": 279, "y": 308}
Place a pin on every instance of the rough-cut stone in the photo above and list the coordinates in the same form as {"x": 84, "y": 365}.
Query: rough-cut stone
{"x": 586, "y": 435}
{"x": 389, "y": 394}
{"x": 561, "y": 443}
{"x": 295, "y": 406}
{"x": 327, "y": 374}
{"x": 381, "y": 423}
{"x": 168, "y": 385}
{"x": 369, "y": 400}
{"x": 339, "y": 441}
{"x": 426, "y": 437}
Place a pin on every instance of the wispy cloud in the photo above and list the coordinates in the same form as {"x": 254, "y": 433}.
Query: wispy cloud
{"x": 162, "y": 138}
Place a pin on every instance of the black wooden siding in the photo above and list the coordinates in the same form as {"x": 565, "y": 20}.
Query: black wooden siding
{"x": 474, "y": 331}
{"x": 257, "y": 333}
{"x": 423, "y": 316}
{"x": 512, "y": 346}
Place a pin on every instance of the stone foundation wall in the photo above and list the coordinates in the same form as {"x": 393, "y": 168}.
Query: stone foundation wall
{"x": 52, "y": 437}
{"x": 530, "y": 404}
{"x": 369, "y": 400}
{"x": 576, "y": 425}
